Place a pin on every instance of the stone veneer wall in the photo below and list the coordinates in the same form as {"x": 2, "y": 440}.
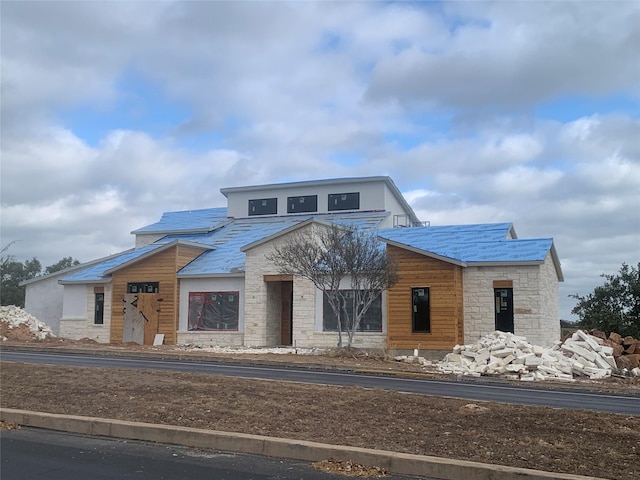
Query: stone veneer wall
{"x": 262, "y": 302}
{"x": 214, "y": 339}
{"x": 78, "y": 328}
{"x": 549, "y": 303}
{"x": 535, "y": 301}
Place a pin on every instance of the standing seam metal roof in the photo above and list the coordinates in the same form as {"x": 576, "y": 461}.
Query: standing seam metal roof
{"x": 470, "y": 243}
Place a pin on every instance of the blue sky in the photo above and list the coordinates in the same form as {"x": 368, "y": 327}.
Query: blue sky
{"x": 524, "y": 112}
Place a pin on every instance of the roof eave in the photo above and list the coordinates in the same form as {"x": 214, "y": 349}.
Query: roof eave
{"x": 73, "y": 269}
{"x": 505, "y": 263}
{"x": 556, "y": 262}
{"x": 286, "y": 231}
{"x": 211, "y": 275}
{"x": 84, "y": 282}
{"x": 171, "y": 244}
{"x": 305, "y": 183}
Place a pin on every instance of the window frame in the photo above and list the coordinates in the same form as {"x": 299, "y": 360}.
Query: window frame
{"x": 143, "y": 287}
{"x": 327, "y": 311}
{"x": 343, "y": 201}
{"x": 98, "y": 313}
{"x": 207, "y": 300}
{"x": 311, "y": 200}
{"x": 263, "y": 206}
{"x": 414, "y": 309}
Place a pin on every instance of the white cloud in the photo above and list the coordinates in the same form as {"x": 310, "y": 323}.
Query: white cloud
{"x": 284, "y": 99}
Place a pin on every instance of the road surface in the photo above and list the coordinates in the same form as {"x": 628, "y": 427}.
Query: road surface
{"x": 483, "y": 391}
{"x": 28, "y": 454}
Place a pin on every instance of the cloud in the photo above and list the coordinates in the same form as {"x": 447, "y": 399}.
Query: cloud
{"x": 115, "y": 112}
{"x": 511, "y": 57}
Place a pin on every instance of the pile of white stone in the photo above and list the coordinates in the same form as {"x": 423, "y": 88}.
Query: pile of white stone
{"x": 14, "y": 317}
{"x": 509, "y": 355}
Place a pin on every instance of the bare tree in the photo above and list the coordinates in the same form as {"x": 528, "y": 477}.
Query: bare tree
{"x": 329, "y": 255}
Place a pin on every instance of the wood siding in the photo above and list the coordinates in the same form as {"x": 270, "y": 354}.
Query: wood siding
{"x": 162, "y": 268}
{"x": 444, "y": 281}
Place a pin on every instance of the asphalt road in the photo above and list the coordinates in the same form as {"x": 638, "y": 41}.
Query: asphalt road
{"x": 27, "y": 454}
{"x": 557, "y": 398}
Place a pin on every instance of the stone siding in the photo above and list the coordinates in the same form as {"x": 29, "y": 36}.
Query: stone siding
{"x": 213, "y": 339}
{"x": 535, "y": 301}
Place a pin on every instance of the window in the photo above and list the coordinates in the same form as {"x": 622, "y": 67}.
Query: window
{"x": 142, "y": 287}
{"x": 371, "y": 322}
{"x": 344, "y": 201}
{"x": 421, "y": 310}
{"x": 98, "y": 314}
{"x": 263, "y": 206}
{"x": 306, "y": 203}
{"x": 213, "y": 311}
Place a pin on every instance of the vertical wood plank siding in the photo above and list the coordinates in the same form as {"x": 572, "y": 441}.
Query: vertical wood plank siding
{"x": 162, "y": 268}
{"x": 446, "y": 301}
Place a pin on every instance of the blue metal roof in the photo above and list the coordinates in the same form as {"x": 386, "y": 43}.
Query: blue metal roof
{"x": 95, "y": 273}
{"x": 470, "y": 243}
{"x": 227, "y": 257}
{"x": 480, "y": 243}
{"x": 187, "y": 221}
{"x": 226, "y": 240}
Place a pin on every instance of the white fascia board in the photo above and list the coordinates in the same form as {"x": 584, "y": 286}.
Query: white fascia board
{"x": 212, "y": 275}
{"x": 514, "y": 263}
{"x": 423, "y": 252}
{"x": 556, "y": 262}
{"x": 403, "y": 201}
{"x": 307, "y": 183}
{"x": 84, "y": 282}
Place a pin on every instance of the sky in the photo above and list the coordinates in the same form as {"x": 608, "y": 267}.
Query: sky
{"x": 480, "y": 112}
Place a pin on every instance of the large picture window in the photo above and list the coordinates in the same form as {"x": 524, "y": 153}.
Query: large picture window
{"x": 213, "y": 311}
{"x": 371, "y": 322}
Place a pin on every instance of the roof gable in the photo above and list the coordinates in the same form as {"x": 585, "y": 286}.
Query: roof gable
{"x": 466, "y": 245}
{"x": 100, "y": 272}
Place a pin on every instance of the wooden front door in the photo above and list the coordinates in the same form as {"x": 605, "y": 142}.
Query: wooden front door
{"x": 141, "y": 314}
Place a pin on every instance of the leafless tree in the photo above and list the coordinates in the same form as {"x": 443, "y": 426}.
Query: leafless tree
{"x": 330, "y": 254}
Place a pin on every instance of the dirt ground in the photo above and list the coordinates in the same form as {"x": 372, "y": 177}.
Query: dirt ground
{"x": 578, "y": 442}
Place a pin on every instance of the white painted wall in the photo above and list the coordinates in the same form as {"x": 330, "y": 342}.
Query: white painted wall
{"x": 210, "y": 338}
{"x": 374, "y": 195}
{"x": 43, "y": 300}
{"x": 78, "y": 313}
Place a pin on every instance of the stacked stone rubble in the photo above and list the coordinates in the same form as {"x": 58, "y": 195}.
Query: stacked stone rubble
{"x": 626, "y": 350}
{"x": 510, "y": 355}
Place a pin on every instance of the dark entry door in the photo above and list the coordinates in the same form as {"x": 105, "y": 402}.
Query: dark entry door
{"x": 503, "y": 299}
{"x": 286, "y": 315}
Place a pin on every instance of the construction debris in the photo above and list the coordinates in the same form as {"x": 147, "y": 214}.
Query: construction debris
{"x": 511, "y": 356}
{"x": 17, "y": 324}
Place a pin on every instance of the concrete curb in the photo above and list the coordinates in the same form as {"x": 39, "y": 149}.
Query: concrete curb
{"x": 400, "y": 463}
